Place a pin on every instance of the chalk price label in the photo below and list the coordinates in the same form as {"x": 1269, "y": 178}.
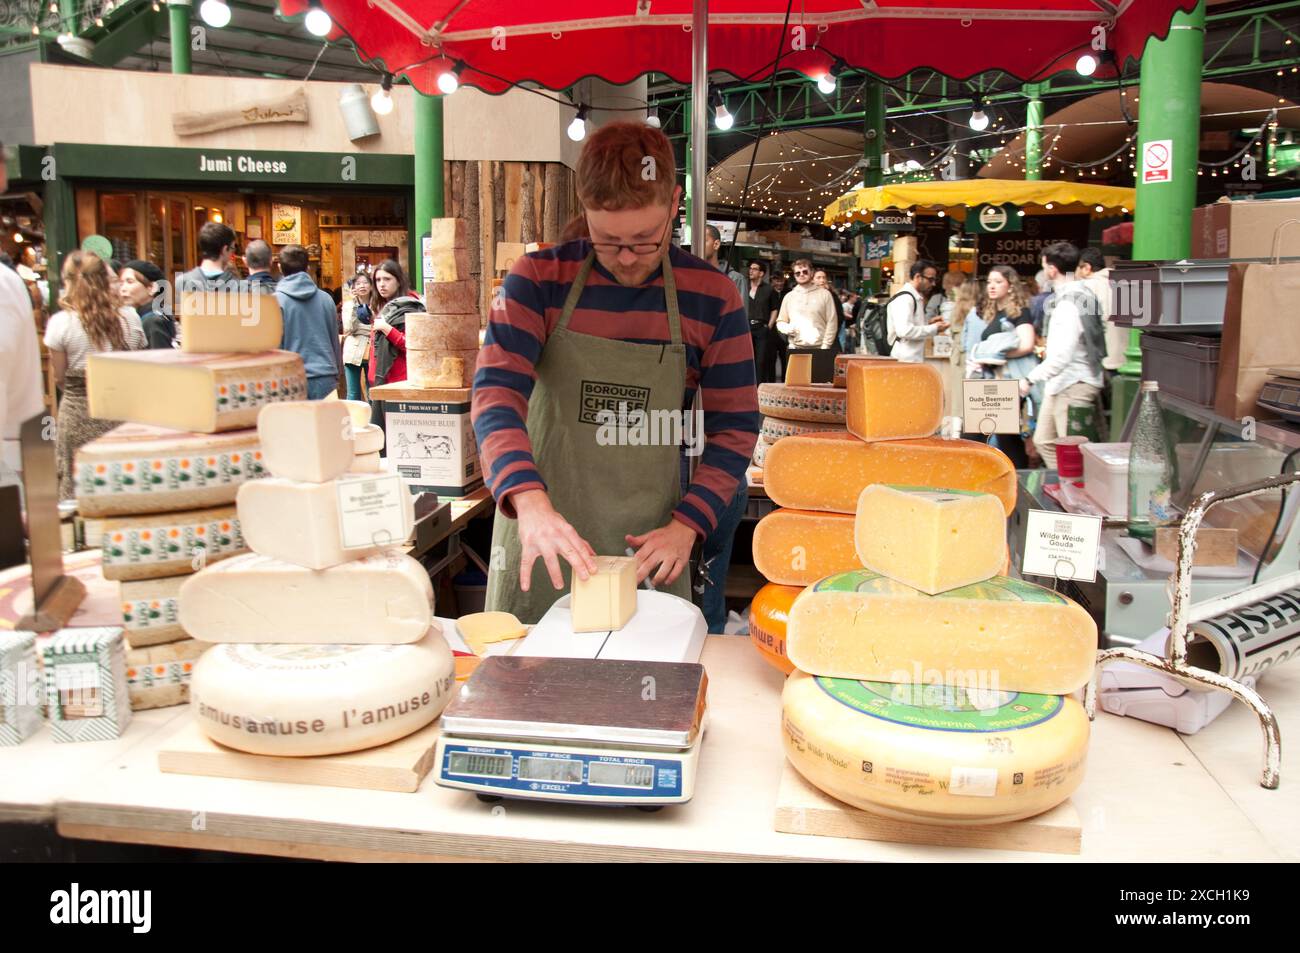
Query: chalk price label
{"x": 1062, "y": 545}
{"x": 991, "y": 407}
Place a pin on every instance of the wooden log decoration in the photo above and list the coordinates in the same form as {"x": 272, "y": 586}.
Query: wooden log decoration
{"x": 498, "y": 202}
{"x": 457, "y": 191}
{"x": 552, "y": 188}
{"x": 469, "y": 211}
{"x": 527, "y": 206}
{"x": 291, "y": 108}
{"x": 513, "y": 193}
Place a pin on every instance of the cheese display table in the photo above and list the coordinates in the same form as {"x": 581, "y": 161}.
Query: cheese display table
{"x": 1145, "y": 788}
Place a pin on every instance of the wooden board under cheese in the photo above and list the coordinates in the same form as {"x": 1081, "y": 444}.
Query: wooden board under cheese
{"x": 204, "y": 393}
{"x": 137, "y": 468}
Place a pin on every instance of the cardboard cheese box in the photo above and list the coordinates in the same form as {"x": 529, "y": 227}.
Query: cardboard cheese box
{"x": 1245, "y": 229}
{"x": 429, "y": 439}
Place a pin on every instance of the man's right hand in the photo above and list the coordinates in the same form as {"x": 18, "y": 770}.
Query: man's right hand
{"x": 546, "y": 534}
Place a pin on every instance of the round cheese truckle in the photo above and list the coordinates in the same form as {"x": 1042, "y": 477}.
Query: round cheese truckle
{"x": 767, "y": 619}
{"x": 798, "y": 547}
{"x": 303, "y": 700}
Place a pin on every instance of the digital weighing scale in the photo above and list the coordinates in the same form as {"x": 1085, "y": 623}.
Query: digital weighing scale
{"x": 594, "y": 717}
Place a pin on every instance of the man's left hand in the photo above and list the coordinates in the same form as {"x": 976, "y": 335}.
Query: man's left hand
{"x": 668, "y": 548}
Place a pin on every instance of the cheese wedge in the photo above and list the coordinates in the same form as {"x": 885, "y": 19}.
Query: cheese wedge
{"x": 481, "y": 629}
{"x": 829, "y": 471}
{"x": 223, "y": 322}
{"x": 367, "y": 463}
{"x": 367, "y": 438}
{"x": 1002, "y": 634}
{"x": 307, "y": 440}
{"x": 442, "y": 368}
{"x": 607, "y": 599}
{"x": 384, "y": 599}
{"x": 798, "y": 547}
{"x": 798, "y": 370}
{"x": 204, "y": 393}
{"x": 932, "y": 540}
{"x": 360, "y": 411}
{"x": 893, "y": 400}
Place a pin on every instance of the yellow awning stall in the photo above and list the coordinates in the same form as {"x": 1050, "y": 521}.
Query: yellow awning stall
{"x": 954, "y": 198}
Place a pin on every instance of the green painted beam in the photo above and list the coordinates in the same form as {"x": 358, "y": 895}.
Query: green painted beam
{"x": 142, "y": 26}
{"x": 178, "y": 18}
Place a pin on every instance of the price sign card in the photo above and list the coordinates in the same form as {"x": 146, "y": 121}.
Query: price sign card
{"x": 1062, "y": 545}
{"x": 990, "y": 407}
{"x": 370, "y": 511}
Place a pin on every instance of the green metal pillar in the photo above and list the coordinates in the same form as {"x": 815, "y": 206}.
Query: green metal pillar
{"x": 1034, "y": 133}
{"x": 179, "y": 12}
{"x": 1162, "y": 221}
{"x": 428, "y": 176}
{"x": 60, "y": 215}
{"x": 874, "y": 125}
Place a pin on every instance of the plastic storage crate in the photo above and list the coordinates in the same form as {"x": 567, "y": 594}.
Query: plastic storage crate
{"x": 1184, "y": 295}
{"x": 1185, "y": 365}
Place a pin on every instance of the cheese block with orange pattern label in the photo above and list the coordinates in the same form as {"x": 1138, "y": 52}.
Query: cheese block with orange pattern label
{"x": 136, "y": 468}
{"x": 151, "y": 611}
{"x": 170, "y": 544}
{"x": 159, "y": 677}
{"x": 798, "y": 547}
{"x": 829, "y": 471}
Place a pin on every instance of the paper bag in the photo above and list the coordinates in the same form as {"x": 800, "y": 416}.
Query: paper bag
{"x": 1261, "y": 329}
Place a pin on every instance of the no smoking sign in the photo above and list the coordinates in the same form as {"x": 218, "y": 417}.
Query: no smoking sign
{"x": 1157, "y": 161}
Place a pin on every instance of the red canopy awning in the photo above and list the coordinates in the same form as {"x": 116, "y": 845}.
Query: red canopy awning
{"x": 558, "y": 42}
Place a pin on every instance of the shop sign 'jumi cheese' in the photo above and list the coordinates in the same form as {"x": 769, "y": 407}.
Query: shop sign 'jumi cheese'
{"x": 768, "y": 614}
{"x": 816, "y": 402}
{"x": 170, "y": 544}
{"x": 932, "y": 540}
{"x": 136, "y": 468}
{"x": 829, "y": 471}
{"x": 302, "y": 700}
{"x": 151, "y": 611}
{"x": 798, "y": 547}
{"x": 308, "y": 440}
{"x": 384, "y": 599}
{"x": 223, "y": 322}
{"x": 933, "y": 753}
{"x": 1004, "y": 634}
{"x": 299, "y": 522}
{"x": 205, "y": 393}
{"x": 893, "y": 400}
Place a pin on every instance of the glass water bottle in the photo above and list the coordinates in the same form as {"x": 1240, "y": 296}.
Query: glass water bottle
{"x": 1150, "y": 473}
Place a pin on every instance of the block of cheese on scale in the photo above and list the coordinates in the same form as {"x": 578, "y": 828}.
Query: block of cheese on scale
{"x": 299, "y": 523}
{"x": 136, "y": 468}
{"x": 386, "y": 598}
{"x": 818, "y": 402}
{"x": 441, "y": 368}
{"x": 443, "y": 333}
{"x": 768, "y": 615}
{"x": 842, "y": 362}
{"x": 451, "y": 297}
{"x": 368, "y": 438}
{"x": 224, "y": 322}
{"x": 367, "y": 463}
{"x": 798, "y": 547}
{"x": 937, "y": 754}
{"x": 157, "y": 545}
{"x": 828, "y": 471}
{"x": 930, "y": 539}
{"x": 798, "y": 370}
{"x": 893, "y": 400}
{"x": 606, "y": 600}
{"x": 360, "y": 411}
{"x": 774, "y": 428}
{"x": 307, "y": 440}
{"x": 304, "y": 700}
{"x": 1003, "y": 633}
{"x": 204, "y": 393}
{"x": 151, "y": 611}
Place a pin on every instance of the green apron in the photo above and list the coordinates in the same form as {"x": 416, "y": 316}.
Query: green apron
{"x": 605, "y": 491}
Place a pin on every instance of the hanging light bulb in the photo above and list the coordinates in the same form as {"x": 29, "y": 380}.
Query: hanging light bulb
{"x": 449, "y": 80}
{"x": 317, "y": 21}
{"x": 979, "y": 120}
{"x": 652, "y": 116}
{"x": 1086, "y": 65}
{"x": 828, "y": 80}
{"x": 215, "y": 13}
{"x": 577, "y": 130}
{"x": 722, "y": 119}
{"x": 382, "y": 101}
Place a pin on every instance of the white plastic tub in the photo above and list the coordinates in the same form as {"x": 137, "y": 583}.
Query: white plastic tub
{"x": 1105, "y": 475}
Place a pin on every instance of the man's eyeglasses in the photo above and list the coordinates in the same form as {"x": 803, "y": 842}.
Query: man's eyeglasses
{"x": 636, "y": 248}
{"x": 931, "y": 278}
{"x": 801, "y": 271}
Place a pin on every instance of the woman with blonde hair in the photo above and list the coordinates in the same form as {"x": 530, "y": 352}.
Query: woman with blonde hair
{"x": 92, "y": 320}
{"x": 1005, "y": 349}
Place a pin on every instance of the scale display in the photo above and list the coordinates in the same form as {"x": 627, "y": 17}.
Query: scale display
{"x": 580, "y": 775}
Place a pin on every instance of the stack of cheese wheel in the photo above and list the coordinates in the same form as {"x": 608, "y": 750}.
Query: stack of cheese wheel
{"x": 324, "y": 645}
{"x": 367, "y": 438}
{"x": 442, "y": 344}
{"x": 926, "y": 686}
{"x": 163, "y": 484}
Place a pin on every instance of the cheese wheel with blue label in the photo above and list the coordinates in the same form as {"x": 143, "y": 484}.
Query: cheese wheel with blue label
{"x": 934, "y": 754}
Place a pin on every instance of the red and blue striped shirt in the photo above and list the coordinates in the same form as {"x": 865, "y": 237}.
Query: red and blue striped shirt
{"x": 719, "y": 359}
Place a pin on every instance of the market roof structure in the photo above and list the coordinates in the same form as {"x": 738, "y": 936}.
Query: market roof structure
{"x": 954, "y": 198}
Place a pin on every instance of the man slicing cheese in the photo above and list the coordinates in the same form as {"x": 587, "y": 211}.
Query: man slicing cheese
{"x": 621, "y": 325}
